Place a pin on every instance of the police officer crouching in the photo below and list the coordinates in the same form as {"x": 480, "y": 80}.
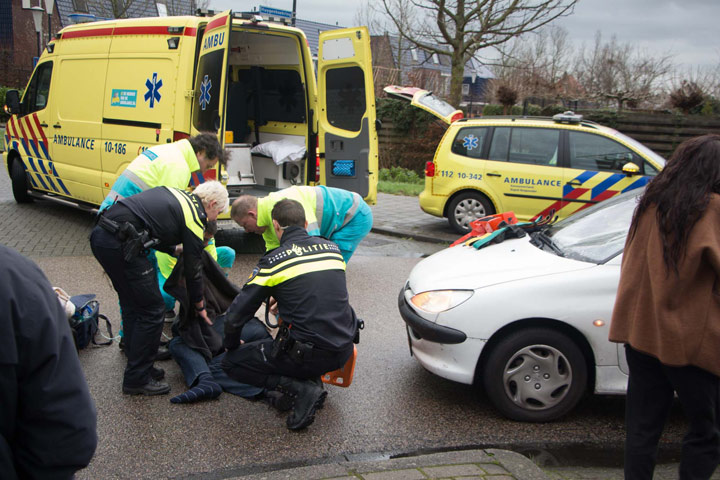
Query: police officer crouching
{"x": 162, "y": 218}
{"x": 306, "y": 276}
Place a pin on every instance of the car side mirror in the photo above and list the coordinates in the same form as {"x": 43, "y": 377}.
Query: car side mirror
{"x": 630, "y": 169}
{"x": 12, "y": 102}
{"x": 378, "y": 125}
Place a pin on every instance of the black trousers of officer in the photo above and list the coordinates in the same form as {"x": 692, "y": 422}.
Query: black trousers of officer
{"x": 253, "y": 363}
{"x": 142, "y": 305}
{"x": 650, "y": 395}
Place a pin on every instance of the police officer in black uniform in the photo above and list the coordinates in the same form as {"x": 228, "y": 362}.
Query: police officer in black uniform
{"x": 161, "y": 218}
{"x": 306, "y": 276}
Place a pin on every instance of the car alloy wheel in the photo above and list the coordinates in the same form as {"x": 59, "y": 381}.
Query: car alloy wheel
{"x": 535, "y": 375}
{"x": 467, "y": 207}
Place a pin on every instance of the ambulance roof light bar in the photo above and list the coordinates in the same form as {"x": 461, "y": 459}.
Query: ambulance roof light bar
{"x": 256, "y": 17}
{"x": 568, "y": 117}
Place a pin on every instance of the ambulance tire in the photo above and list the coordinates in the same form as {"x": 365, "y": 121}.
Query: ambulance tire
{"x": 19, "y": 182}
{"x": 465, "y": 208}
{"x": 535, "y": 375}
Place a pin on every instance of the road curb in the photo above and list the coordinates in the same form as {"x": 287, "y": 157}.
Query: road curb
{"x": 491, "y": 463}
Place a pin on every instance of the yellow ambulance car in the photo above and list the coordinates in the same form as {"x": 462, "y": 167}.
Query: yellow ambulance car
{"x": 529, "y": 165}
{"x": 103, "y": 92}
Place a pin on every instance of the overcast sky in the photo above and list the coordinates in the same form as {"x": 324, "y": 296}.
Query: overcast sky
{"x": 687, "y": 29}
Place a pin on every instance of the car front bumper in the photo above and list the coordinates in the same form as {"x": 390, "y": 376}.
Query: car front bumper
{"x": 443, "y": 351}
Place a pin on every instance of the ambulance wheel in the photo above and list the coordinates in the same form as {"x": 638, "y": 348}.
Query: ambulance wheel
{"x": 535, "y": 375}
{"x": 19, "y": 182}
{"x": 465, "y": 208}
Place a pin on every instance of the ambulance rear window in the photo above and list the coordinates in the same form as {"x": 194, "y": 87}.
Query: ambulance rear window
{"x": 345, "y": 90}
{"x": 207, "y": 92}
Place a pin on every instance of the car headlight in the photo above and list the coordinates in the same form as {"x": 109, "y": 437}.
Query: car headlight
{"x": 436, "y": 301}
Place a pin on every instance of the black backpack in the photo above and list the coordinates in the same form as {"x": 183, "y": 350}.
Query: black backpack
{"x": 84, "y": 323}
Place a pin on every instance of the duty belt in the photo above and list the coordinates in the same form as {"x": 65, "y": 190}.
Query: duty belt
{"x": 295, "y": 349}
{"x": 134, "y": 243}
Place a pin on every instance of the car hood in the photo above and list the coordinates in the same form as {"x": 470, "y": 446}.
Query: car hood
{"x": 463, "y": 267}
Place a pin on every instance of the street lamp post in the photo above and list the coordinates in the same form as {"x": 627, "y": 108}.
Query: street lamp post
{"x": 37, "y": 13}
{"x": 49, "y": 4}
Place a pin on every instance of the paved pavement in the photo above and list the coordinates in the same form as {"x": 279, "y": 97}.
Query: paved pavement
{"x": 399, "y": 216}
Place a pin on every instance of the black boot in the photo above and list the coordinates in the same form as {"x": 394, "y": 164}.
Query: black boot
{"x": 278, "y": 400}
{"x": 309, "y": 397}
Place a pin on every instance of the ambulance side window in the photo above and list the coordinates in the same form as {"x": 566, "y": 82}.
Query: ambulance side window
{"x": 534, "y": 146}
{"x": 594, "y": 152}
{"x": 38, "y": 92}
{"x": 500, "y": 144}
{"x": 469, "y": 142}
{"x": 345, "y": 96}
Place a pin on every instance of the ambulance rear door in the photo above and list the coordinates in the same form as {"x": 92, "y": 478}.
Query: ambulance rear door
{"x": 346, "y": 102}
{"x": 210, "y": 78}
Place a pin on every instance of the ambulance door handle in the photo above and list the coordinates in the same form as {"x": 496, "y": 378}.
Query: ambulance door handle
{"x": 57, "y": 125}
{"x": 493, "y": 175}
{"x": 574, "y": 183}
{"x": 44, "y": 125}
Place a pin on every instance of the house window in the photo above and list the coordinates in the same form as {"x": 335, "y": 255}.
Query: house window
{"x": 414, "y": 54}
{"x": 435, "y": 59}
{"x": 80, "y": 6}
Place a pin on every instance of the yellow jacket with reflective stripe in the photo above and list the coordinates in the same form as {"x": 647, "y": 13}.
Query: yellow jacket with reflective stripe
{"x": 168, "y": 165}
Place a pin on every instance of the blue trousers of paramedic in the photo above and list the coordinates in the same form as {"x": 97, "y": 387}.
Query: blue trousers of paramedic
{"x": 226, "y": 259}
{"x": 193, "y": 363}
{"x": 349, "y": 236}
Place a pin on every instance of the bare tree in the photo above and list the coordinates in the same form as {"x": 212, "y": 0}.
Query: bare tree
{"x": 537, "y": 65}
{"x": 466, "y": 26}
{"x": 617, "y": 72}
{"x": 367, "y": 15}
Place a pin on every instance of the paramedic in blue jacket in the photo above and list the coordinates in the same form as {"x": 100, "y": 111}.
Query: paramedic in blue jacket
{"x": 336, "y": 214}
{"x": 47, "y": 417}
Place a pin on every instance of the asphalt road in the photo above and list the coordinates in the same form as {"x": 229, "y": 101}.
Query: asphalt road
{"x": 393, "y": 406}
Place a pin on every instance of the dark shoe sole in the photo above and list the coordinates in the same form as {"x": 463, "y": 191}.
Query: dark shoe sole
{"x": 143, "y": 391}
{"x": 310, "y": 418}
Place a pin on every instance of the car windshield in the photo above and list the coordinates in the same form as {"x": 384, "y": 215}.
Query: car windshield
{"x": 645, "y": 150}
{"x": 597, "y": 234}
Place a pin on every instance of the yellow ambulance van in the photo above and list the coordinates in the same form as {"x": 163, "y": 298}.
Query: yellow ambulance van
{"x": 103, "y": 92}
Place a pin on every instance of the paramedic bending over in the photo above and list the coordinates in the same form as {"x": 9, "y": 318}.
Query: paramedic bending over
{"x": 169, "y": 165}
{"x": 336, "y": 214}
{"x": 171, "y": 217}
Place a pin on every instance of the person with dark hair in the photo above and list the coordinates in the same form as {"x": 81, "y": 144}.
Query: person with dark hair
{"x": 179, "y": 165}
{"x": 667, "y": 311}
{"x": 48, "y": 421}
{"x": 306, "y": 275}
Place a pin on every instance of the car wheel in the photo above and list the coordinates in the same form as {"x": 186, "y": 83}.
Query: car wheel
{"x": 19, "y": 182}
{"x": 465, "y": 208}
{"x": 535, "y": 375}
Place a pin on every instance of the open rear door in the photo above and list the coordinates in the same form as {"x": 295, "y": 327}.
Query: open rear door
{"x": 425, "y": 100}
{"x": 346, "y": 121}
{"x": 210, "y": 78}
